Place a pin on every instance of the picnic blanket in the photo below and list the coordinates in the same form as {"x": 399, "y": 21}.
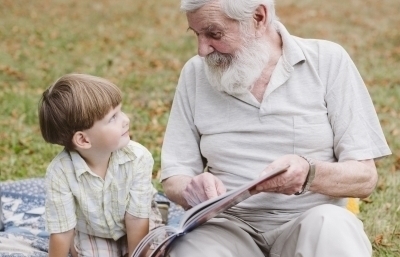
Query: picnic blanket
{"x": 23, "y": 232}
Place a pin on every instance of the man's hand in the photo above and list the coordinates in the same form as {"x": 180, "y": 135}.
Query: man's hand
{"x": 352, "y": 178}
{"x": 203, "y": 187}
{"x": 288, "y": 182}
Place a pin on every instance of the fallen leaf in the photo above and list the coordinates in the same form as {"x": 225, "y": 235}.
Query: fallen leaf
{"x": 378, "y": 239}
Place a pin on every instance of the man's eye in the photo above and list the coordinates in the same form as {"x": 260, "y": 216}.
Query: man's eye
{"x": 215, "y": 35}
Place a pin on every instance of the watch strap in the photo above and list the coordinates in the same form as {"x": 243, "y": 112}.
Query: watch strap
{"x": 310, "y": 176}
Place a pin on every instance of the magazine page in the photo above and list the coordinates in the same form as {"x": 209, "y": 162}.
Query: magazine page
{"x": 162, "y": 248}
{"x": 217, "y": 203}
{"x": 196, "y": 216}
{"x": 154, "y": 240}
{"x": 213, "y": 207}
{"x": 201, "y": 206}
{"x": 213, "y": 210}
{"x": 170, "y": 233}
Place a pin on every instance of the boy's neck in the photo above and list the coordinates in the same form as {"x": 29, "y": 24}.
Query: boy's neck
{"x": 97, "y": 161}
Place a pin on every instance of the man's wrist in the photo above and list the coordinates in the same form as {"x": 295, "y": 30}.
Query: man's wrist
{"x": 310, "y": 176}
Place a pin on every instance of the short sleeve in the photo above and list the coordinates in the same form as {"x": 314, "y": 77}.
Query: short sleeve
{"x": 357, "y": 131}
{"x": 60, "y": 205}
{"x": 141, "y": 190}
{"x": 181, "y": 147}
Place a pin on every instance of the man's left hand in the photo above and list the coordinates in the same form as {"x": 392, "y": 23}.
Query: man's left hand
{"x": 289, "y": 182}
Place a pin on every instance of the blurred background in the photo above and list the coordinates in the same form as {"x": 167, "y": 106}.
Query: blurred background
{"x": 142, "y": 45}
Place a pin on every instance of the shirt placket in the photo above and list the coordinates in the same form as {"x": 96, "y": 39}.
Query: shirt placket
{"x": 107, "y": 197}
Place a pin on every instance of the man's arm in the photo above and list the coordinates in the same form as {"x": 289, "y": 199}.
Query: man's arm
{"x": 60, "y": 243}
{"x": 174, "y": 187}
{"x": 340, "y": 179}
{"x": 136, "y": 229}
{"x": 345, "y": 179}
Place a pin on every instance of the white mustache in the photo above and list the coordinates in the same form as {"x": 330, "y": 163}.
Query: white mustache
{"x": 219, "y": 60}
{"x": 237, "y": 73}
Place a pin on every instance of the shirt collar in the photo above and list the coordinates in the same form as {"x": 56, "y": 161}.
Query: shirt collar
{"x": 121, "y": 156}
{"x": 124, "y": 155}
{"x": 79, "y": 164}
{"x": 292, "y": 53}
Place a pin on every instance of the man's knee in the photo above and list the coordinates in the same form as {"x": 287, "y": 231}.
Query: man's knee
{"x": 331, "y": 217}
{"x": 325, "y": 230}
{"x": 221, "y": 237}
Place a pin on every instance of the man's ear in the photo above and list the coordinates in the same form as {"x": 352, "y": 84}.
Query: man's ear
{"x": 81, "y": 140}
{"x": 260, "y": 18}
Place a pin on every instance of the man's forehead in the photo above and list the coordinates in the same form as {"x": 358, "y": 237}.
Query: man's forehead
{"x": 208, "y": 15}
{"x": 210, "y": 22}
{"x": 207, "y": 28}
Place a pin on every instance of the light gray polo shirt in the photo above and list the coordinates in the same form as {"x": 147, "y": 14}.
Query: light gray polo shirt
{"x": 316, "y": 104}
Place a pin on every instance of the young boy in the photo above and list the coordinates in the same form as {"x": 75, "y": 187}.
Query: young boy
{"x": 99, "y": 190}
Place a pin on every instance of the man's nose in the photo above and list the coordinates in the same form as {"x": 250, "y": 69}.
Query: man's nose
{"x": 204, "y": 46}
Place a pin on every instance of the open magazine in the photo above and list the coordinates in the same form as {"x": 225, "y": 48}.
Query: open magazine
{"x": 161, "y": 237}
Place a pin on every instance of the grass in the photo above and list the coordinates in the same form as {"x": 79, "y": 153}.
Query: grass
{"x": 142, "y": 45}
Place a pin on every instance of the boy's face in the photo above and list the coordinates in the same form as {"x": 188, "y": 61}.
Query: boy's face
{"x": 110, "y": 133}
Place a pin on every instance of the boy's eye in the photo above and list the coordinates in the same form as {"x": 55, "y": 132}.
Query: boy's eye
{"x": 113, "y": 117}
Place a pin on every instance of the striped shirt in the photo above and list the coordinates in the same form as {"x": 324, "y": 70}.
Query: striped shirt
{"x": 78, "y": 198}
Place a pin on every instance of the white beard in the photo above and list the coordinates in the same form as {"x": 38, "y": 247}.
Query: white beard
{"x": 237, "y": 74}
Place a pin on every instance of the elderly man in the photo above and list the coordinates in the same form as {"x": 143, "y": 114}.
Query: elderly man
{"x": 256, "y": 98}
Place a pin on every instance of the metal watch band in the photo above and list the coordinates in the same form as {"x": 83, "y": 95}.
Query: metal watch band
{"x": 310, "y": 176}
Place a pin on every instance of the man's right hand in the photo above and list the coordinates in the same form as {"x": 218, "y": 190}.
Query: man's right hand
{"x": 203, "y": 187}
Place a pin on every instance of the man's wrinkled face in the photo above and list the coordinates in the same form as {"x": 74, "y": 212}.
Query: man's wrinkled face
{"x": 215, "y": 32}
{"x": 234, "y": 59}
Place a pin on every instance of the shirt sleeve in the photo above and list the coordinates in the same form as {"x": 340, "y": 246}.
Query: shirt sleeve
{"x": 357, "y": 131}
{"x": 141, "y": 190}
{"x": 181, "y": 147}
{"x": 60, "y": 205}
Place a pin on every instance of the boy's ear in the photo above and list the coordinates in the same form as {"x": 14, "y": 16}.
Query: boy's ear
{"x": 81, "y": 140}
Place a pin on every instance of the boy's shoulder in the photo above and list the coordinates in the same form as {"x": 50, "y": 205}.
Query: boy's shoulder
{"x": 62, "y": 162}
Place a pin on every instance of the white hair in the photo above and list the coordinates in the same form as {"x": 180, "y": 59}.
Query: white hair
{"x": 240, "y": 10}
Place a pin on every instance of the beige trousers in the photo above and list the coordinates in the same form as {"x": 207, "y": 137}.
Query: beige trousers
{"x": 322, "y": 231}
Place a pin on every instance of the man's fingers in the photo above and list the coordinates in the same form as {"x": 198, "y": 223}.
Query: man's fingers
{"x": 202, "y": 188}
{"x": 220, "y": 187}
{"x": 210, "y": 191}
{"x": 213, "y": 187}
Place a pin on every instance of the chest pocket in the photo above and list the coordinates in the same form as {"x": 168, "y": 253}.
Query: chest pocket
{"x": 312, "y": 133}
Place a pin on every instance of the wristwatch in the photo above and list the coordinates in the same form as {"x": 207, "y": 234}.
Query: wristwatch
{"x": 310, "y": 176}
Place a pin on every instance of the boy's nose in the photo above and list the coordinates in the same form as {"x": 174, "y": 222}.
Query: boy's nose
{"x": 126, "y": 120}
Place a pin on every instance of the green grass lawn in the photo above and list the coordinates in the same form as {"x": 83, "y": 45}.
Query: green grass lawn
{"x": 142, "y": 45}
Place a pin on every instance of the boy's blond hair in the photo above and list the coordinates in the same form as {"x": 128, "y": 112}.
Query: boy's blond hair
{"x": 73, "y": 103}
